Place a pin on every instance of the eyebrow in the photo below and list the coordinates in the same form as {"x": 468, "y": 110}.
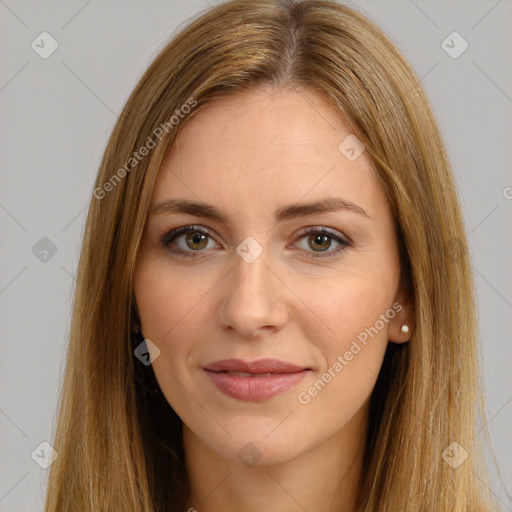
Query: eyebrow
{"x": 291, "y": 211}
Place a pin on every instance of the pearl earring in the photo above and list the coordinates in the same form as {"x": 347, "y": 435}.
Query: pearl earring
{"x": 404, "y": 328}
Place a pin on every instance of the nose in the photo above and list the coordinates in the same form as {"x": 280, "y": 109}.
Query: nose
{"x": 253, "y": 298}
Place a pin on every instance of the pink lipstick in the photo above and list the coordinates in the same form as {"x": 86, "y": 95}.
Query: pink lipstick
{"x": 254, "y": 381}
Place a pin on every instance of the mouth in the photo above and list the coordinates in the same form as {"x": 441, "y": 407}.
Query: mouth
{"x": 248, "y": 374}
{"x": 254, "y": 381}
{"x": 258, "y": 367}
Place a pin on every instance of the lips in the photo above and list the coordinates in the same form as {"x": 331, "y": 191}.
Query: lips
{"x": 260, "y": 366}
{"x": 254, "y": 380}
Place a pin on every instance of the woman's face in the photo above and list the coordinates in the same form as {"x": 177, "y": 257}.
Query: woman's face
{"x": 248, "y": 283}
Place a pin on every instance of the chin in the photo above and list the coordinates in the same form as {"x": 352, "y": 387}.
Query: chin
{"x": 249, "y": 451}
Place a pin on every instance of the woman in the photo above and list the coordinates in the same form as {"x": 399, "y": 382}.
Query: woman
{"x": 269, "y": 310}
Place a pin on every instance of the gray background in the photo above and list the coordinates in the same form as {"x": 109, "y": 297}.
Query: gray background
{"x": 57, "y": 114}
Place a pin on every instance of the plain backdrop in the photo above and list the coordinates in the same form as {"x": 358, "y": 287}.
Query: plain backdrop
{"x": 57, "y": 114}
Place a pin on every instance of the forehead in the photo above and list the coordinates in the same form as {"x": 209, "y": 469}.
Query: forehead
{"x": 266, "y": 146}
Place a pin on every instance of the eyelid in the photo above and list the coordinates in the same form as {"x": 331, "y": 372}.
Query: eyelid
{"x": 172, "y": 234}
{"x": 334, "y": 234}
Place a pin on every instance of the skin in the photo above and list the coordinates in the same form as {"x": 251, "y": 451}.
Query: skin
{"x": 250, "y": 154}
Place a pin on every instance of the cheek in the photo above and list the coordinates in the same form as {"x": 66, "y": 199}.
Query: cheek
{"x": 357, "y": 312}
{"x": 172, "y": 307}
{"x": 350, "y": 359}
{"x": 348, "y": 307}
{"x": 166, "y": 300}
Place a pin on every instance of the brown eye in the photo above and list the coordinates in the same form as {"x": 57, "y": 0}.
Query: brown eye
{"x": 187, "y": 240}
{"x": 321, "y": 242}
{"x": 196, "y": 241}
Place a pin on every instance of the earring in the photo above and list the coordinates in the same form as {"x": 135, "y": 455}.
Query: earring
{"x": 404, "y": 328}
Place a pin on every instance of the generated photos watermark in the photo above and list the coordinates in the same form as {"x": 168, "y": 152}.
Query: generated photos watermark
{"x": 304, "y": 397}
{"x": 145, "y": 149}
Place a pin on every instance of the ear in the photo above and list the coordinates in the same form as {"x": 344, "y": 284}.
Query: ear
{"x": 404, "y": 308}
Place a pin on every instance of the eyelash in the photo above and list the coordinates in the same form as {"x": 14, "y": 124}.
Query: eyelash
{"x": 169, "y": 237}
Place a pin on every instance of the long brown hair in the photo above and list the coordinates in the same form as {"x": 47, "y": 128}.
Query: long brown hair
{"x": 119, "y": 441}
